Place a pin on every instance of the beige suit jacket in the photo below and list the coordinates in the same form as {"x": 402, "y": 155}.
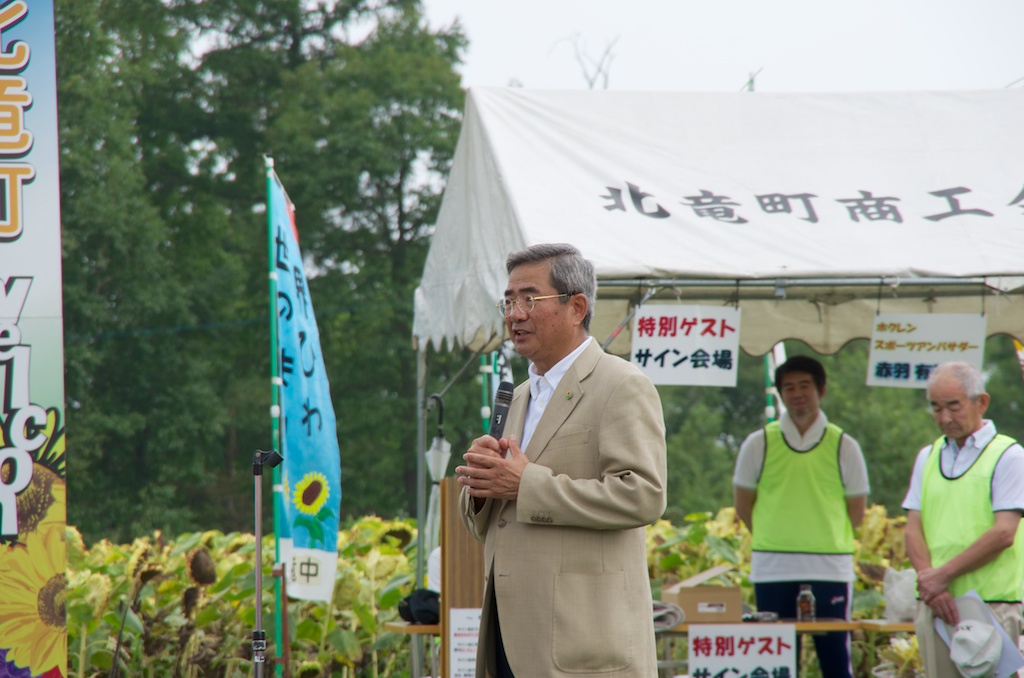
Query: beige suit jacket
{"x": 566, "y": 562}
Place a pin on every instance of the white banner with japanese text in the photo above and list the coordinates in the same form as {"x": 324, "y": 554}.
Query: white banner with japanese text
{"x": 906, "y": 346}
{"x": 687, "y": 345}
{"x": 463, "y": 632}
{"x": 738, "y": 650}
{"x": 672, "y": 186}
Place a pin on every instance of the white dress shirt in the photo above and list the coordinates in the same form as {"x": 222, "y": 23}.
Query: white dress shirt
{"x": 542, "y": 387}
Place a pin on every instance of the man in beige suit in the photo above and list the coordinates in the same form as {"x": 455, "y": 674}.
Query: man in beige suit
{"x": 562, "y": 502}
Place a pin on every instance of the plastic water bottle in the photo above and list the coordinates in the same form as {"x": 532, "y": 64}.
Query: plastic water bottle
{"x": 805, "y": 604}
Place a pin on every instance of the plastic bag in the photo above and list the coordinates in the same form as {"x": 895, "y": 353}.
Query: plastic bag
{"x": 900, "y": 588}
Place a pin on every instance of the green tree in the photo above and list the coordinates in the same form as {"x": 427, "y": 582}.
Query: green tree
{"x": 166, "y": 111}
{"x": 1005, "y": 385}
{"x": 704, "y": 429}
{"x": 119, "y": 280}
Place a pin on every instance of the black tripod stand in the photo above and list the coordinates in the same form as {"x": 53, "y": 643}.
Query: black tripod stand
{"x": 260, "y": 458}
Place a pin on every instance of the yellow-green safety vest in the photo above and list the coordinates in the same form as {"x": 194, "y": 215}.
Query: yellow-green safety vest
{"x": 956, "y": 511}
{"x": 801, "y": 500}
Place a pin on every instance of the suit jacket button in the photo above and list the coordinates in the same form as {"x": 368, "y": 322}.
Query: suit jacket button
{"x": 501, "y": 522}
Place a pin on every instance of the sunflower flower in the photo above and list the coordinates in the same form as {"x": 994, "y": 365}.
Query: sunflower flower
{"x": 311, "y": 493}
{"x": 33, "y": 622}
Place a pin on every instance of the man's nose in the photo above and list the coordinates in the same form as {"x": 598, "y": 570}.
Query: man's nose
{"x": 517, "y": 311}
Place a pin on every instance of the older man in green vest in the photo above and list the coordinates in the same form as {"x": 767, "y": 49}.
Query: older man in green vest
{"x": 964, "y": 511}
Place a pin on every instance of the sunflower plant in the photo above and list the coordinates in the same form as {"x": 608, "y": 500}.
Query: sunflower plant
{"x": 186, "y": 606}
{"x": 902, "y": 659}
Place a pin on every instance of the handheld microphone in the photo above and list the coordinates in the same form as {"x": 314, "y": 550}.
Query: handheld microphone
{"x": 502, "y": 401}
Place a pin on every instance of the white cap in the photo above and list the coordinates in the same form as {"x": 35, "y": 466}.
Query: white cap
{"x": 975, "y": 645}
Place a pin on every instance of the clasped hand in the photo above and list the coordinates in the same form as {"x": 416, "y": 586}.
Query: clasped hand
{"x": 931, "y": 587}
{"x": 488, "y": 472}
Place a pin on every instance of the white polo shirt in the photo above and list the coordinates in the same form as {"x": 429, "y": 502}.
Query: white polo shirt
{"x": 1007, "y": 479}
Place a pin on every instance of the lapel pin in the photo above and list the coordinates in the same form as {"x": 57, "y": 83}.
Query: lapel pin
{"x": 568, "y": 395}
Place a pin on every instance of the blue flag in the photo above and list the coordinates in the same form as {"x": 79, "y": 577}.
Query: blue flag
{"x": 307, "y": 528}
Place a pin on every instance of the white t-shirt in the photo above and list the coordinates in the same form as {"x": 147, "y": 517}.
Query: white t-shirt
{"x": 434, "y": 570}
{"x": 1007, "y": 480}
{"x": 769, "y": 567}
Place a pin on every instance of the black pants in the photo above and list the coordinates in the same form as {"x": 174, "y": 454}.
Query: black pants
{"x": 504, "y": 671}
{"x": 832, "y": 599}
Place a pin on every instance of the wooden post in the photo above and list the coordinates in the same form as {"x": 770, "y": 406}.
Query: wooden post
{"x": 284, "y": 653}
{"x": 462, "y": 565}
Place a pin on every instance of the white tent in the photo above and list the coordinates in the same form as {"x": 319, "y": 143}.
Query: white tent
{"x": 810, "y": 212}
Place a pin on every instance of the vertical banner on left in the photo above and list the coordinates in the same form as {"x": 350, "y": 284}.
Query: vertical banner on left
{"x": 307, "y": 529}
{"x": 33, "y": 508}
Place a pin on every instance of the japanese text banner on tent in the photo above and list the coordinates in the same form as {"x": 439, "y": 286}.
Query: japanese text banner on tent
{"x": 307, "y": 528}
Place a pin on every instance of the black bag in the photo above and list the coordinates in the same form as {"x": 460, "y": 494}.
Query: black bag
{"x": 422, "y": 606}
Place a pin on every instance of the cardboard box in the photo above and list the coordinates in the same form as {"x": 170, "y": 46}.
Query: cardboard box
{"x": 706, "y": 603}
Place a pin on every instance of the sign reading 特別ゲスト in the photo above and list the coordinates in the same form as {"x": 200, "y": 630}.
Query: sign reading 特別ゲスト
{"x": 743, "y": 650}
{"x": 687, "y": 345}
{"x": 906, "y": 346}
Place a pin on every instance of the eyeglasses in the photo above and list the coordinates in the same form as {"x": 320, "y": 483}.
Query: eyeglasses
{"x": 524, "y": 304}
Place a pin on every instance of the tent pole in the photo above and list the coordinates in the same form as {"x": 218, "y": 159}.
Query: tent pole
{"x": 629, "y": 316}
{"x": 421, "y": 495}
{"x": 421, "y": 449}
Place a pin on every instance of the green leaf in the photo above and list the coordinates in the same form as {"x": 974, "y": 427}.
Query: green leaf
{"x": 132, "y": 623}
{"x": 867, "y": 603}
{"x": 309, "y": 629}
{"x": 207, "y": 616}
{"x": 366, "y": 617}
{"x": 187, "y": 542}
{"x": 671, "y": 561}
{"x": 389, "y": 598}
{"x": 722, "y": 549}
{"x": 345, "y": 643}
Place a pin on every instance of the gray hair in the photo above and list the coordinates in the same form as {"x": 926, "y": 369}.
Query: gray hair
{"x": 967, "y": 376}
{"x": 570, "y": 272}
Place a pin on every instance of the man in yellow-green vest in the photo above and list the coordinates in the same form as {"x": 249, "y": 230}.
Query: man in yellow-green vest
{"x": 800, "y": 485}
{"x": 964, "y": 507}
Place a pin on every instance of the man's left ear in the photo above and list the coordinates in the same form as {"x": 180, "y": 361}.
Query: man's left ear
{"x": 579, "y": 305}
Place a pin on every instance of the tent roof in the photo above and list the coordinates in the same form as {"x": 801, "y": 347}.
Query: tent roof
{"x": 812, "y": 212}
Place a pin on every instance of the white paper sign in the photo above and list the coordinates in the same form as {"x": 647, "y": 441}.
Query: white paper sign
{"x": 742, "y": 650}
{"x": 463, "y": 633}
{"x": 687, "y": 345}
{"x": 906, "y": 346}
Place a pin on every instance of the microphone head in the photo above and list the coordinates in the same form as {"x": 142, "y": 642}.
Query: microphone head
{"x": 502, "y": 403}
{"x": 505, "y": 391}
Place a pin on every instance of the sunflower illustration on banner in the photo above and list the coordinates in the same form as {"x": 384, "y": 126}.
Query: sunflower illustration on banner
{"x": 311, "y": 473}
{"x": 310, "y": 498}
{"x": 33, "y": 577}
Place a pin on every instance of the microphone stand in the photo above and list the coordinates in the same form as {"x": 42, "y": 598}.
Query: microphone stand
{"x": 259, "y": 637}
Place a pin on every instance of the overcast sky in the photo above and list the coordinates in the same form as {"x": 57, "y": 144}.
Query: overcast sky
{"x": 715, "y": 45}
